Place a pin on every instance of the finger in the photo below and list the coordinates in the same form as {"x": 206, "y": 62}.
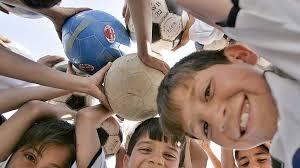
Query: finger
{"x": 3, "y": 44}
{"x": 70, "y": 69}
{"x": 127, "y": 16}
{"x": 124, "y": 10}
{"x": 56, "y": 59}
{"x": 78, "y": 10}
{"x": 103, "y": 99}
{"x": 103, "y": 70}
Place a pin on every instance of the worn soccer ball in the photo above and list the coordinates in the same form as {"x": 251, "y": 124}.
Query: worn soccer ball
{"x": 168, "y": 24}
{"x": 131, "y": 88}
{"x": 110, "y": 136}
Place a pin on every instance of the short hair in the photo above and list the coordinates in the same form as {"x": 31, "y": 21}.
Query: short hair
{"x": 40, "y": 3}
{"x": 183, "y": 70}
{"x": 49, "y": 132}
{"x": 2, "y": 119}
{"x": 151, "y": 127}
{"x": 262, "y": 146}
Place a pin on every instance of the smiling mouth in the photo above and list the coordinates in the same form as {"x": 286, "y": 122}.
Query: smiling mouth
{"x": 244, "y": 116}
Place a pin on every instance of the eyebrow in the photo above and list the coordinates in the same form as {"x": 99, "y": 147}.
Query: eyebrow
{"x": 260, "y": 153}
{"x": 242, "y": 158}
{"x": 54, "y": 165}
{"x": 143, "y": 142}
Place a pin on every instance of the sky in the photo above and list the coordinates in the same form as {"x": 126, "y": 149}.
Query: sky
{"x": 40, "y": 38}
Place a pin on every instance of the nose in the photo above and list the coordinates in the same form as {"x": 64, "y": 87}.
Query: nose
{"x": 156, "y": 160}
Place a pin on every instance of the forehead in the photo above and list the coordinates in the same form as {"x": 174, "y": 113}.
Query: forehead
{"x": 145, "y": 140}
{"x": 253, "y": 151}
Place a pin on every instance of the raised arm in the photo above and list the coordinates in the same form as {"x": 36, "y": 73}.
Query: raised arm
{"x": 27, "y": 70}
{"x": 140, "y": 11}
{"x": 13, "y": 129}
{"x": 11, "y": 99}
{"x": 227, "y": 158}
{"x": 87, "y": 140}
{"x": 206, "y": 147}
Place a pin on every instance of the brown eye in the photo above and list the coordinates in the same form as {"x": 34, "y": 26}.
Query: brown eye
{"x": 30, "y": 157}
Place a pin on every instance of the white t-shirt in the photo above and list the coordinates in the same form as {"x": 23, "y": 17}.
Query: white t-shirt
{"x": 97, "y": 162}
{"x": 203, "y": 33}
{"x": 275, "y": 35}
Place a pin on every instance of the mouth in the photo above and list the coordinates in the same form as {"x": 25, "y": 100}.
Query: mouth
{"x": 244, "y": 116}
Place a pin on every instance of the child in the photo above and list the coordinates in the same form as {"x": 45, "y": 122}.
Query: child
{"x": 28, "y": 141}
{"x": 215, "y": 95}
{"x": 149, "y": 147}
{"x": 255, "y": 157}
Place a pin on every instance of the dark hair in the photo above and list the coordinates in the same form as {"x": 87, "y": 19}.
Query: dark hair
{"x": 2, "y": 119}
{"x": 40, "y": 3}
{"x": 262, "y": 146}
{"x": 48, "y": 132}
{"x": 151, "y": 128}
{"x": 183, "y": 70}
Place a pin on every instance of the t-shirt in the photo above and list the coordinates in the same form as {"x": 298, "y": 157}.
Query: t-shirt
{"x": 97, "y": 162}
{"x": 203, "y": 33}
{"x": 273, "y": 32}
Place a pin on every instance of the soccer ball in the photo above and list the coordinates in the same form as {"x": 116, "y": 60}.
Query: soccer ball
{"x": 20, "y": 11}
{"x": 168, "y": 24}
{"x": 110, "y": 136}
{"x": 131, "y": 88}
{"x": 93, "y": 38}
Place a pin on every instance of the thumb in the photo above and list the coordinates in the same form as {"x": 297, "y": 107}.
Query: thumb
{"x": 103, "y": 70}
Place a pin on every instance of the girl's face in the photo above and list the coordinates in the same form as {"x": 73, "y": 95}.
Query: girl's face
{"x": 53, "y": 156}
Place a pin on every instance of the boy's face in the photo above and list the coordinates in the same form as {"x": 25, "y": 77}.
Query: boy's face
{"x": 52, "y": 156}
{"x": 230, "y": 104}
{"x": 255, "y": 157}
{"x": 149, "y": 153}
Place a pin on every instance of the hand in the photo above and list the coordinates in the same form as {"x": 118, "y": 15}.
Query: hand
{"x": 46, "y": 110}
{"x": 205, "y": 144}
{"x": 96, "y": 87}
{"x": 50, "y": 60}
{"x": 155, "y": 63}
{"x": 186, "y": 34}
{"x": 94, "y": 115}
{"x": 4, "y": 41}
{"x": 62, "y": 14}
{"x": 126, "y": 13}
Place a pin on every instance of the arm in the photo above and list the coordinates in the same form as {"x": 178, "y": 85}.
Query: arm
{"x": 209, "y": 11}
{"x": 140, "y": 11}
{"x": 87, "y": 140}
{"x": 11, "y": 99}
{"x": 198, "y": 155}
{"x": 206, "y": 147}
{"x": 13, "y": 129}
{"x": 28, "y": 70}
{"x": 227, "y": 158}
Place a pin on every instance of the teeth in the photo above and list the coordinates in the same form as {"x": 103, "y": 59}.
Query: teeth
{"x": 244, "y": 120}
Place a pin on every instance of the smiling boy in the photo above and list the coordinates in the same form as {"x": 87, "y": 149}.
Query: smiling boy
{"x": 216, "y": 95}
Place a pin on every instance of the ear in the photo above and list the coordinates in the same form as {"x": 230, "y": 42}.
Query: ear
{"x": 125, "y": 161}
{"x": 239, "y": 53}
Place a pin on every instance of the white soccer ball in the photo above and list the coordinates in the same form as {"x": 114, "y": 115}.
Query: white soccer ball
{"x": 131, "y": 88}
{"x": 20, "y": 11}
{"x": 111, "y": 134}
{"x": 168, "y": 24}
